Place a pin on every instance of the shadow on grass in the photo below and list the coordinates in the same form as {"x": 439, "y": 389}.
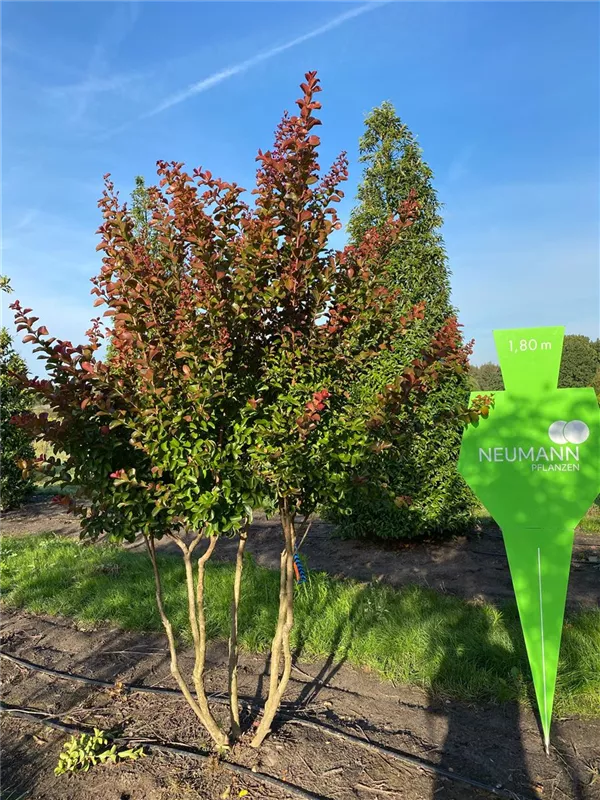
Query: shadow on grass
{"x": 315, "y": 607}
{"x": 486, "y": 741}
{"x": 486, "y": 744}
{"x": 401, "y": 635}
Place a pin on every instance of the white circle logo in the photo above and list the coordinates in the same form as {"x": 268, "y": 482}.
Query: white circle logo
{"x": 574, "y": 432}
{"x": 556, "y": 431}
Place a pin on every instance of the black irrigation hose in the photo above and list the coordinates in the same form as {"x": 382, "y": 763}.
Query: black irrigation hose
{"x": 407, "y": 758}
{"x": 57, "y": 673}
{"x": 164, "y": 747}
{"x": 132, "y": 687}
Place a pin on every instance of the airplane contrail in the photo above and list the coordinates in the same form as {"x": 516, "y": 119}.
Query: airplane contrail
{"x": 243, "y": 66}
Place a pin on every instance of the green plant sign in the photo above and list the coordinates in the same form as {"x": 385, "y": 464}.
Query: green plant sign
{"x": 534, "y": 463}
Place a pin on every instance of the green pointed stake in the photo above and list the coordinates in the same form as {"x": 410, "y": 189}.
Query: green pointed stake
{"x": 535, "y": 465}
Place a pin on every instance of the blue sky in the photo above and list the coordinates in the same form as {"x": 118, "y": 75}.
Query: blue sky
{"x": 504, "y": 99}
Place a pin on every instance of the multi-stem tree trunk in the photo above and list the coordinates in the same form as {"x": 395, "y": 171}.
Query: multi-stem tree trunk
{"x": 199, "y": 705}
{"x": 285, "y": 622}
{"x": 234, "y": 711}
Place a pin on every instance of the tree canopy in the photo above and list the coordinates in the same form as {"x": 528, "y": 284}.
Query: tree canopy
{"x": 237, "y": 335}
{"x": 415, "y": 269}
{"x": 580, "y": 361}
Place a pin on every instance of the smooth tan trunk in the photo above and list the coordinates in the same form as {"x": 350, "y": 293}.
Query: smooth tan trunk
{"x": 199, "y": 704}
{"x": 234, "y": 711}
{"x": 281, "y": 640}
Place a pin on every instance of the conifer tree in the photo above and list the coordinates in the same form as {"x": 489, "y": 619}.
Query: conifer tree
{"x": 417, "y": 270}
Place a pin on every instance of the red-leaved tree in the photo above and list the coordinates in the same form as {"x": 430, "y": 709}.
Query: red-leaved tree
{"x": 237, "y": 335}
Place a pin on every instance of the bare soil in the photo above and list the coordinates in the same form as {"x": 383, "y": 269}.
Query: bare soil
{"x": 472, "y": 566}
{"x": 496, "y": 745}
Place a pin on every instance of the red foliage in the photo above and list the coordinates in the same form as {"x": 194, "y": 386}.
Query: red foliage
{"x": 312, "y": 415}
{"x": 223, "y": 293}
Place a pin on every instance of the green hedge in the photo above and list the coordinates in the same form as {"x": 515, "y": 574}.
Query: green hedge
{"x": 15, "y": 444}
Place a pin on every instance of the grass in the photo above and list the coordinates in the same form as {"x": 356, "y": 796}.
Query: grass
{"x": 454, "y": 648}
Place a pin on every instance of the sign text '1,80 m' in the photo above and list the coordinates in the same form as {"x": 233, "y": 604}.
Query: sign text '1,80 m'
{"x": 526, "y": 345}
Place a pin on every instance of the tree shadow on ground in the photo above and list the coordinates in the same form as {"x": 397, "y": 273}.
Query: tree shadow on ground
{"x": 22, "y": 764}
{"x": 31, "y": 753}
{"x": 344, "y": 630}
{"x": 482, "y": 743}
{"x": 496, "y": 743}
{"x": 572, "y": 769}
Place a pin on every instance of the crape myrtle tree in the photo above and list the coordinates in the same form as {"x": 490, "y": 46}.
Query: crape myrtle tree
{"x": 140, "y": 212}
{"x": 236, "y": 336}
{"x": 328, "y": 316}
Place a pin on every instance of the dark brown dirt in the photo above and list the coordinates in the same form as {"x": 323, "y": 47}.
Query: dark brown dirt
{"x": 497, "y": 745}
{"x": 471, "y": 566}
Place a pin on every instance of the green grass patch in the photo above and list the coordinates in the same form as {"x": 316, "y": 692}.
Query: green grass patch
{"x": 454, "y": 648}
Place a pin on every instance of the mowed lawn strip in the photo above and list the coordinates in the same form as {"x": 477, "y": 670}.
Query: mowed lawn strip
{"x": 456, "y": 649}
